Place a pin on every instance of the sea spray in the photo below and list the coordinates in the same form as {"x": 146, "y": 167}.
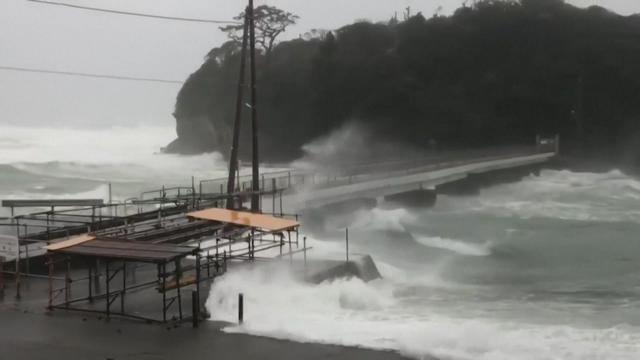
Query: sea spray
{"x": 543, "y": 269}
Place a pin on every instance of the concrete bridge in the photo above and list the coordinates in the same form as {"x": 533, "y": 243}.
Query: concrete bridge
{"x": 415, "y": 186}
{"x": 412, "y": 182}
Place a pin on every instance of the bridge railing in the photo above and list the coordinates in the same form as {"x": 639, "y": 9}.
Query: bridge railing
{"x": 344, "y": 174}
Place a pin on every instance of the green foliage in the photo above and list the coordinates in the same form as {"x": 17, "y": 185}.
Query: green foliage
{"x": 495, "y": 72}
{"x": 270, "y": 22}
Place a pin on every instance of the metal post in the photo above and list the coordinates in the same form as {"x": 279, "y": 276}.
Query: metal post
{"x": 1, "y": 277}
{"x": 240, "y": 308}
{"x": 193, "y": 192}
{"x": 194, "y": 308}
{"x": 96, "y": 276}
{"x": 290, "y": 250}
{"x": 90, "y": 268}
{"x": 106, "y": 269}
{"x": 304, "y": 250}
{"x": 347, "y": 241}
{"x": 281, "y": 211}
{"x": 195, "y": 295}
{"x": 124, "y": 285}
{"x": 26, "y": 254}
{"x": 164, "y": 292}
{"x": 51, "y": 270}
{"x": 18, "y": 272}
{"x": 67, "y": 280}
{"x": 110, "y": 201}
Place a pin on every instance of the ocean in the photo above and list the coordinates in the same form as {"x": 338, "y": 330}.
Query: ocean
{"x": 545, "y": 268}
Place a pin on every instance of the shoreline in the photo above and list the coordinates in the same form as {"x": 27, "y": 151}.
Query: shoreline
{"x": 28, "y": 331}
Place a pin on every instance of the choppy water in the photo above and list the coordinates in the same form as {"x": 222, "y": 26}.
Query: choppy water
{"x": 547, "y": 268}
{"x": 64, "y": 162}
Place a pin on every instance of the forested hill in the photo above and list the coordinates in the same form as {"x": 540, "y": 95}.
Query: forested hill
{"x": 495, "y": 73}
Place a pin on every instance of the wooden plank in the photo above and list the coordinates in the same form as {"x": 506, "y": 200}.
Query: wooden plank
{"x": 242, "y": 218}
{"x": 73, "y": 241}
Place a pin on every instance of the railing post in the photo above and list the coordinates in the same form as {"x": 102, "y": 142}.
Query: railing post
{"x": 195, "y": 308}
{"x": 304, "y": 250}
{"x": 1, "y": 277}
{"x": 240, "y": 308}
{"x": 347, "y": 242}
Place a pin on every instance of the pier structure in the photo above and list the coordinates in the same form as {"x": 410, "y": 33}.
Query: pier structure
{"x": 172, "y": 244}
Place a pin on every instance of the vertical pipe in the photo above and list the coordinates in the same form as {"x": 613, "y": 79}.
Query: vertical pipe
{"x": 195, "y": 296}
{"x": 96, "y": 276}
{"x": 1, "y": 277}
{"x": 240, "y": 308}
{"x": 281, "y": 211}
{"x": 179, "y": 295}
{"x": 193, "y": 192}
{"x": 194, "y": 308}
{"x": 50, "y": 307}
{"x": 68, "y": 281}
{"x": 110, "y": 201}
{"x": 124, "y": 285}
{"x": 233, "y": 158}
{"x": 18, "y": 272}
{"x": 106, "y": 270}
{"x": 347, "y": 241}
{"x": 290, "y": 250}
{"x": 164, "y": 292}
{"x": 90, "y": 269}
{"x": 26, "y": 254}
{"x": 304, "y": 249}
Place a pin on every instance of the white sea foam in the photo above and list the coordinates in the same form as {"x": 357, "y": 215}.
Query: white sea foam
{"x": 382, "y": 219}
{"x": 372, "y": 315}
{"x": 115, "y": 154}
{"x": 609, "y": 197}
{"x": 456, "y": 246}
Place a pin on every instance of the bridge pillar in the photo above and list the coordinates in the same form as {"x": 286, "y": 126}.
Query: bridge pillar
{"x": 415, "y": 198}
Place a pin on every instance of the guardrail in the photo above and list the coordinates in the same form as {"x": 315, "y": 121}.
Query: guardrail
{"x": 342, "y": 174}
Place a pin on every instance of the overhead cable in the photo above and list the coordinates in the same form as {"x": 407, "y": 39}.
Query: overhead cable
{"x": 120, "y": 12}
{"x": 89, "y": 75}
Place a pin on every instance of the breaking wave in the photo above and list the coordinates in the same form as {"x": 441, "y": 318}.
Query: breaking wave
{"x": 565, "y": 195}
{"x": 456, "y": 246}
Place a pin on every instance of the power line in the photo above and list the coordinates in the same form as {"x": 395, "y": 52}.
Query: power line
{"x": 119, "y": 12}
{"x": 89, "y": 75}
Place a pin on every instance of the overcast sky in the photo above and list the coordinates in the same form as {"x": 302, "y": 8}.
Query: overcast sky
{"x": 58, "y": 38}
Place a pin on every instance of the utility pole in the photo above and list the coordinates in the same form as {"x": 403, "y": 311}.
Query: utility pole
{"x": 255, "y": 196}
{"x": 233, "y": 158}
